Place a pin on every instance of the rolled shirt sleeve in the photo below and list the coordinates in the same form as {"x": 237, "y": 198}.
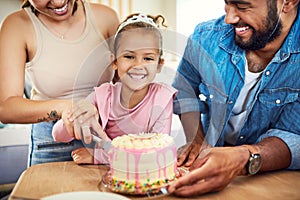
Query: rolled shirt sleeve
{"x": 292, "y": 141}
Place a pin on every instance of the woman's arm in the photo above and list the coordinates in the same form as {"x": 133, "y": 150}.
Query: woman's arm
{"x": 17, "y": 44}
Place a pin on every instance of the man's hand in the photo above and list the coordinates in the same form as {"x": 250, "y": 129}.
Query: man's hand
{"x": 195, "y": 139}
{"x": 188, "y": 153}
{"x": 212, "y": 171}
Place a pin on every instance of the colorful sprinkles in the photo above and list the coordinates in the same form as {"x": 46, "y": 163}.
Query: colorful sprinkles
{"x": 138, "y": 188}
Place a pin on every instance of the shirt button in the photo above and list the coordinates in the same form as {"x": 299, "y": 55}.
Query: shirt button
{"x": 277, "y": 101}
{"x": 230, "y": 102}
{"x": 211, "y": 96}
{"x": 241, "y": 137}
{"x": 284, "y": 55}
{"x": 268, "y": 73}
{"x": 202, "y": 97}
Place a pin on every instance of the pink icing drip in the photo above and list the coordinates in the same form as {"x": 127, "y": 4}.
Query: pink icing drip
{"x": 127, "y": 165}
{"x": 137, "y": 154}
{"x": 163, "y": 152}
{"x": 136, "y": 162}
{"x": 111, "y": 160}
{"x": 174, "y": 150}
{"x": 158, "y": 164}
{"x": 165, "y": 165}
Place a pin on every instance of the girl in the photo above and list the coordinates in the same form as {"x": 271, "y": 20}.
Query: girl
{"x": 134, "y": 104}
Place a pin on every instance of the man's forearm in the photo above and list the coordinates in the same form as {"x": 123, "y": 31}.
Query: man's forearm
{"x": 275, "y": 154}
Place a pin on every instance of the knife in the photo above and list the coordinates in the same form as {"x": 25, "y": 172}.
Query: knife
{"x": 101, "y": 143}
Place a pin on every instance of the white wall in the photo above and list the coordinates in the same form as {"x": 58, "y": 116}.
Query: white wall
{"x": 190, "y": 12}
{"x": 181, "y": 15}
{"x": 8, "y": 6}
{"x": 167, "y": 8}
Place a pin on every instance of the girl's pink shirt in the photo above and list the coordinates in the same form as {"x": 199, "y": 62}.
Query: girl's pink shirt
{"x": 152, "y": 115}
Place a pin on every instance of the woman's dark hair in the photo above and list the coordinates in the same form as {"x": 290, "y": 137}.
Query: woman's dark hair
{"x": 26, "y": 3}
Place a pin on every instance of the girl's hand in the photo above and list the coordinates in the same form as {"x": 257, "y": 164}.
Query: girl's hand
{"x": 83, "y": 155}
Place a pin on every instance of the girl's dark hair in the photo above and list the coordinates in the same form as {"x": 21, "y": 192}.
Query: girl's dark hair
{"x": 159, "y": 20}
{"x": 26, "y": 3}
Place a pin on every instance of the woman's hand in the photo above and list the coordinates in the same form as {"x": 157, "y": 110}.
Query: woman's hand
{"x": 66, "y": 114}
{"x": 85, "y": 120}
{"x": 212, "y": 171}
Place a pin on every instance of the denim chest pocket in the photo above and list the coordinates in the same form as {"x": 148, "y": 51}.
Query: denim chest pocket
{"x": 273, "y": 98}
{"x": 212, "y": 94}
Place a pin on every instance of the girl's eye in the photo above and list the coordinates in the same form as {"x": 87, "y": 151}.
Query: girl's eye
{"x": 128, "y": 57}
{"x": 149, "y": 59}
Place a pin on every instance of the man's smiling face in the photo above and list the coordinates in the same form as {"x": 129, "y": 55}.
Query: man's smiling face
{"x": 256, "y": 22}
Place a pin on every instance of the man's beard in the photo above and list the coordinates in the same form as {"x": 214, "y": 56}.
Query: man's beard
{"x": 259, "y": 39}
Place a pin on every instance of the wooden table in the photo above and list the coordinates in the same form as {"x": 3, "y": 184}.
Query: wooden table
{"x": 53, "y": 178}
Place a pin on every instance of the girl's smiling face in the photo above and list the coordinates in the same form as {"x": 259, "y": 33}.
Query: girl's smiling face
{"x": 138, "y": 58}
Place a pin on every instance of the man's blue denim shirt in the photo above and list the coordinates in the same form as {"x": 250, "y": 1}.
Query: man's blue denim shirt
{"x": 211, "y": 74}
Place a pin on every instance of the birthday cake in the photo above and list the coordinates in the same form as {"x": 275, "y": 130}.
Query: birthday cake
{"x": 142, "y": 163}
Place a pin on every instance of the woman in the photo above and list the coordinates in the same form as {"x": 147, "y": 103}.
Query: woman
{"x": 62, "y": 45}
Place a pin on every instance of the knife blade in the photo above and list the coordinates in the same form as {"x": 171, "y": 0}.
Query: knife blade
{"x": 101, "y": 143}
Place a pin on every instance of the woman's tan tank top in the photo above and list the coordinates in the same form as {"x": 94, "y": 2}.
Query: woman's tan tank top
{"x": 64, "y": 69}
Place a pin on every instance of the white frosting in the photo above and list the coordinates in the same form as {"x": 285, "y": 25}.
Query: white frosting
{"x": 143, "y": 141}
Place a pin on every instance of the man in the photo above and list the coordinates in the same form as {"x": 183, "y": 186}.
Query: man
{"x": 238, "y": 81}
